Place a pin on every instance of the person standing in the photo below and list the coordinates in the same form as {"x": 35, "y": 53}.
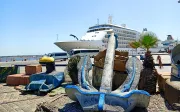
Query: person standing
{"x": 160, "y": 62}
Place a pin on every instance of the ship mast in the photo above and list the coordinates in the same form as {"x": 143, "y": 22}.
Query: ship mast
{"x": 110, "y": 19}
{"x": 97, "y": 21}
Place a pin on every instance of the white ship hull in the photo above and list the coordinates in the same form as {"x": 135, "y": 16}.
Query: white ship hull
{"x": 69, "y": 45}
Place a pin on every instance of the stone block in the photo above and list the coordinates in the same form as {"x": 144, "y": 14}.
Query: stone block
{"x": 24, "y": 80}
{"x": 120, "y": 60}
{"x": 33, "y": 69}
{"x": 17, "y": 79}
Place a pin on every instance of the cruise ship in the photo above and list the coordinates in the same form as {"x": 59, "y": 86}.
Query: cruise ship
{"x": 96, "y": 37}
{"x": 170, "y": 43}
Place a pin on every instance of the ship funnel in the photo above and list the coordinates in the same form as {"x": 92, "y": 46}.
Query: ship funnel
{"x": 144, "y": 29}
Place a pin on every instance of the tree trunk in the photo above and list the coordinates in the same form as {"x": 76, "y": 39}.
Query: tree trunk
{"x": 147, "y": 49}
{"x": 148, "y": 80}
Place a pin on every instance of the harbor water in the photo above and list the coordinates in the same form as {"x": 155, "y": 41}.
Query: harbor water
{"x": 19, "y": 58}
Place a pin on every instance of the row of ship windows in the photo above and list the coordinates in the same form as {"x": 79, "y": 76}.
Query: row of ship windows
{"x": 122, "y": 46}
{"x": 98, "y": 29}
{"x": 113, "y": 27}
{"x": 123, "y": 42}
{"x": 128, "y": 39}
{"x": 119, "y": 42}
{"x": 126, "y": 45}
{"x": 122, "y": 31}
{"x": 126, "y": 32}
{"x": 121, "y": 35}
{"x": 124, "y": 35}
{"x": 122, "y": 39}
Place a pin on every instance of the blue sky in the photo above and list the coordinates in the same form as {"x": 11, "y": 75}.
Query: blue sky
{"x": 30, "y": 26}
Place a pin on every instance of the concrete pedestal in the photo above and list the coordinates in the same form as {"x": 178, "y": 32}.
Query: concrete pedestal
{"x": 172, "y": 90}
{"x": 162, "y": 77}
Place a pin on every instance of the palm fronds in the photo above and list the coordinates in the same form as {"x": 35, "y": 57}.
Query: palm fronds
{"x": 135, "y": 44}
{"x": 148, "y": 40}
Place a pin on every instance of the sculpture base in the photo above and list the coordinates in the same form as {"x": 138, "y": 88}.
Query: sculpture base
{"x": 118, "y": 78}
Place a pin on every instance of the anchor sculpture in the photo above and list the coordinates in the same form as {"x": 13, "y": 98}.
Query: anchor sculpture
{"x": 125, "y": 98}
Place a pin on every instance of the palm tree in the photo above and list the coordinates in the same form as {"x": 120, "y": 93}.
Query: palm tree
{"x": 148, "y": 77}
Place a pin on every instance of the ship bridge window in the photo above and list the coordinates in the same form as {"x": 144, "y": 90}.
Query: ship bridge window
{"x": 98, "y": 29}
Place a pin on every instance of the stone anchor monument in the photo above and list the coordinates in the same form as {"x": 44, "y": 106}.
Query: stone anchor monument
{"x": 124, "y": 98}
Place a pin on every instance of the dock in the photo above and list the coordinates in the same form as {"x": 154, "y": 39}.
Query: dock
{"x": 13, "y": 101}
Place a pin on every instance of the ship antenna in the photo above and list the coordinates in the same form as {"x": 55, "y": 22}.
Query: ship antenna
{"x": 110, "y": 19}
{"x": 97, "y": 21}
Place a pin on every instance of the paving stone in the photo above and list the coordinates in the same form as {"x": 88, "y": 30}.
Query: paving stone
{"x": 2, "y": 109}
{"x": 3, "y": 97}
{"x": 14, "y": 102}
{"x": 14, "y": 106}
{"x": 8, "y": 108}
{"x": 7, "y": 97}
{"x": 6, "y": 89}
{"x": 14, "y": 96}
{"x": 23, "y": 106}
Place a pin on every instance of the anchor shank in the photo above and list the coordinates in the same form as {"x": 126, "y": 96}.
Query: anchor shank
{"x": 106, "y": 83}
